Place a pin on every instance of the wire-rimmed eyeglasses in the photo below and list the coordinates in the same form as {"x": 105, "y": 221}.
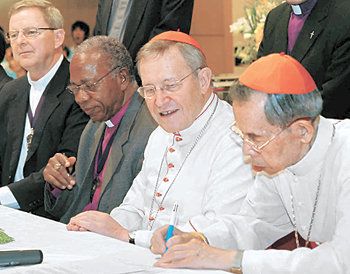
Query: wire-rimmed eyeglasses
{"x": 259, "y": 148}
{"x": 169, "y": 86}
{"x": 88, "y": 87}
{"x": 30, "y": 32}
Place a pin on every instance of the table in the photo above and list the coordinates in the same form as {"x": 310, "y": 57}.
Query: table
{"x": 75, "y": 252}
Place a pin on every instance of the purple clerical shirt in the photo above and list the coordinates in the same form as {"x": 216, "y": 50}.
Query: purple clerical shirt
{"x": 296, "y": 22}
{"x": 112, "y": 125}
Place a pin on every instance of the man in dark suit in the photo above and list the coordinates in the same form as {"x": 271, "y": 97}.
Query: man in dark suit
{"x": 111, "y": 147}
{"x": 317, "y": 34}
{"x": 141, "y": 20}
{"x": 38, "y": 116}
{"x": 4, "y": 78}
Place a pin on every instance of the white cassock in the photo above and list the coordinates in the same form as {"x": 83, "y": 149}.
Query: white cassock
{"x": 204, "y": 172}
{"x": 269, "y": 206}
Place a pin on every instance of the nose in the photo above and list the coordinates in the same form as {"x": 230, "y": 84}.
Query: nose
{"x": 248, "y": 150}
{"x": 160, "y": 97}
{"x": 81, "y": 96}
{"x": 20, "y": 37}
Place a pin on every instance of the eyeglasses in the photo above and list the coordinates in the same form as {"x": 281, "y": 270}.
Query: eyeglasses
{"x": 88, "y": 87}
{"x": 30, "y": 32}
{"x": 259, "y": 148}
{"x": 170, "y": 86}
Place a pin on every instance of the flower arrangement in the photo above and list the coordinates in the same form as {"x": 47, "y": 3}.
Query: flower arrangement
{"x": 251, "y": 26}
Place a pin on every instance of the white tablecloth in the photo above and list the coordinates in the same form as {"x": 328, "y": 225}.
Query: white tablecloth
{"x": 74, "y": 252}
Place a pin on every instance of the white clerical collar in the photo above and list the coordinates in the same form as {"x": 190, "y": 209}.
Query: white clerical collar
{"x": 109, "y": 123}
{"x": 201, "y": 118}
{"x": 43, "y": 81}
{"x": 304, "y": 8}
{"x": 318, "y": 149}
{"x": 296, "y": 9}
{"x": 210, "y": 100}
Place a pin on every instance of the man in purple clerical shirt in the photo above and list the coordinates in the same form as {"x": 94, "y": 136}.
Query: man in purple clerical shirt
{"x": 317, "y": 34}
{"x": 112, "y": 144}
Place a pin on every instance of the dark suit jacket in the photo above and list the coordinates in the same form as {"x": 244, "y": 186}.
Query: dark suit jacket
{"x": 326, "y": 54}
{"x": 147, "y": 18}
{"x": 4, "y": 78}
{"x": 123, "y": 164}
{"x": 58, "y": 129}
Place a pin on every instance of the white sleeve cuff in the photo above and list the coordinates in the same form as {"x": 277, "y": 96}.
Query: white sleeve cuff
{"x": 143, "y": 238}
{"x": 7, "y": 198}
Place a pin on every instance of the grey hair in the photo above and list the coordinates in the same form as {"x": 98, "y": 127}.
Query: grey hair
{"x": 282, "y": 109}
{"x": 193, "y": 56}
{"x": 52, "y": 15}
{"x": 115, "y": 50}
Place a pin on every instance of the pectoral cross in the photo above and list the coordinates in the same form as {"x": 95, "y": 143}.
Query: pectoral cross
{"x": 95, "y": 184}
{"x": 312, "y": 34}
{"x": 30, "y": 137}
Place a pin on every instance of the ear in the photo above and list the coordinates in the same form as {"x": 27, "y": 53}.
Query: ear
{"x": 59, "y": 37}
{"x": 204, "y": 79}
{"x": 124, "y": 78}
{"x": 304, "y": 131}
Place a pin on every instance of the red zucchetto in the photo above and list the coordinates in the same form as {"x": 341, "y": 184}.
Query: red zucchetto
{"x": 278, "y": 73}
{"x": 177, "y": 36}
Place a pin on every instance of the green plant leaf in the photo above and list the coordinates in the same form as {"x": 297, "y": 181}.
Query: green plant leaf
{"x": 4, "y": 238}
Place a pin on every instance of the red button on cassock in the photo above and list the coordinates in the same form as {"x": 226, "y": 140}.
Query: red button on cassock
{"x": 161, "y": 208}
{"x": 158, "y": 194}
{"x": 151, "y": 218}
{"x": 170, "y": 166}
{"x": 178, "y": 139}
{"x": 166, "y": 179}
{"x": 171, "y": 149}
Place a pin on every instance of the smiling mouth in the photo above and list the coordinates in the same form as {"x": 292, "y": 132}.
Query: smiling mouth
{"x": 257, "y": 168}
{"x": 165, "y": 113}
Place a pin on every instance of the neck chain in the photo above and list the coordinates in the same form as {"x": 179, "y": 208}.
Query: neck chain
{"x": 294, "y": 222}
{"x": 151, "y": 220}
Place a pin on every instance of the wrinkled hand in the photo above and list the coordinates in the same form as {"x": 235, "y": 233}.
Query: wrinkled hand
{"x": 189, "y": 251}
{"x": 56, "y": 174}
{"x": 158, "y": 244}
{"x": 98, "y": 222}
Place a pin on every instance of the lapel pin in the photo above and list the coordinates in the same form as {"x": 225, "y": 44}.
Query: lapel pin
{"x": 312, "y": 34}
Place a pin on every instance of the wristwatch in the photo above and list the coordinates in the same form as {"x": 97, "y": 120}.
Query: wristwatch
{"x": 237, "y": 263}
{"x": 132, "y": 236}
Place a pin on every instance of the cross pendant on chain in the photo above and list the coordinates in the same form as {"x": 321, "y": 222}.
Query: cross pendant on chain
{"x": 29, "y": 137}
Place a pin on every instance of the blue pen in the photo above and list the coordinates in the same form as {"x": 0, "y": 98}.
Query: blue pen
{"x": 172, "y": 223}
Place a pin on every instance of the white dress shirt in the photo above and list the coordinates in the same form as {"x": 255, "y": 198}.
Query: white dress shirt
{"x": 214, "y": 179}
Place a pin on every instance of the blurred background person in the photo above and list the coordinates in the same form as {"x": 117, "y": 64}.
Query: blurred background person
{"x": 136, "y": 22}
{"x": 11, "y": 66}
{"x": 80, "y": 32}
{"x": 4, "y": 78}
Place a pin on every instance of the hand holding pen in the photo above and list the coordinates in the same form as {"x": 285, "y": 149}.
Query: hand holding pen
{"x": 173, "y": 219}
